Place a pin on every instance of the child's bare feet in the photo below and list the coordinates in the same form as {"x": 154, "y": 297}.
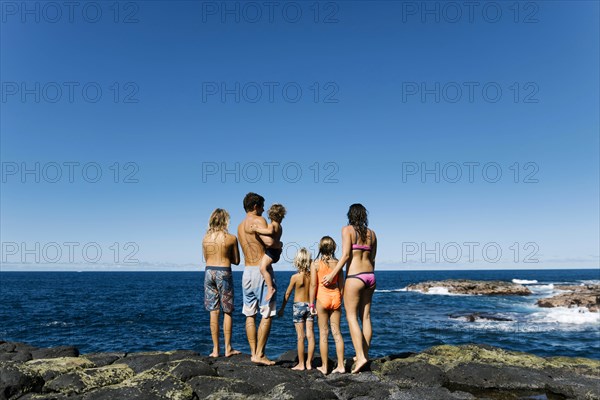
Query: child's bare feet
{"x": 298, "y": 367}
{"x": 322, "y": 369}
{"x": 308, "y": 366}
{"x": 359, "y": 365}
{"x": 270, "y": 292}
{"x": 232, "y": 352}
{"x": 339, "y": 370}
{"x": 262, "y": 361}
{"x": 214, "y": 354}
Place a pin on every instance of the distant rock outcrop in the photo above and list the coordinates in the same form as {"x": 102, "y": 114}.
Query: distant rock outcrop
{"x": 441, "y": 372}
{"x": 577, "y": 296}
{"x": 465, "y": 286}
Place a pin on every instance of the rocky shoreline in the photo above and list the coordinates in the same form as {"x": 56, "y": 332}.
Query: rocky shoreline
{"x": 466, "y": 286}
{"x": 441, "y": 372}
{"x": 587, "y": 296}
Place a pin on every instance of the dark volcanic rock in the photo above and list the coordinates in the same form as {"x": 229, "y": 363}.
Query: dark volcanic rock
{"x": 573, "y": 385}
{"x": 7, "y": 347}
{"x": 441, "y": 372}
{"x": 413, "y": 374}
{"x": 140, "y": 362}
{"x": 361, "y": 386}
{"x": 15, "y": 351}
{"x": 20, "y": 356}
{"x": 475, "y": 375}
{"x": 438, "y": 393}
{"x": 290, "y": 390}
{"x": 48, "y": 396}
{"x": 204, "y": 386}
{"x": 472, "y": 317}
{"x": 88, "y": 379}
{"x": 103, "y": 359}
{"x": 14, "y": 381}
{"x": 152, "y": 384}
{"x": 187, "y": 369}
{"x": 117, "y": 393}
{"x": 55, "y": 352}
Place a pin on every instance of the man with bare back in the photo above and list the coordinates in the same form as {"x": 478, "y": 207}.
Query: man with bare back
{"x": 253, "y": 284}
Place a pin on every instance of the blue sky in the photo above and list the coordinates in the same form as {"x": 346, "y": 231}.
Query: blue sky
{"x": 369, "y": 94}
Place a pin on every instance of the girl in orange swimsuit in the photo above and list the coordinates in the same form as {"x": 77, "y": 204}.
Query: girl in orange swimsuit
{"x": 329, "y": 302}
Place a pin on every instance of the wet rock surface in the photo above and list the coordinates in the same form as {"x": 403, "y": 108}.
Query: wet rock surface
{"x": 441, "y": 372}
{"x": 587, "y": 296}
{"x": 465, "y": 286}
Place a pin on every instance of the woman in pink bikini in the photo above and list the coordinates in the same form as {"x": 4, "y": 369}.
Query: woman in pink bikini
{"x": 359, "y": 248}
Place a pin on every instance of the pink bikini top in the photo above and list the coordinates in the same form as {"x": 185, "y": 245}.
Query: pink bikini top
{"x": 363, "y": 247}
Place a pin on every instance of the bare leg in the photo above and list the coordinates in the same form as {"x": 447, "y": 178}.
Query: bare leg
{"x": 251, "y": 334}
{"x": 300, "y": 334}
{"x": 310, "y": 336}
{"x": 323, "y": 316}
{"x": 214, "y": 332}
{"x": 336, "y": 316}
{"x": 265, "y": 265}
{"x": 365, "y": 318}
{"x": 227, "y": 323}
{"x": 263, "y": 334}
{"x": 352, "y": 292}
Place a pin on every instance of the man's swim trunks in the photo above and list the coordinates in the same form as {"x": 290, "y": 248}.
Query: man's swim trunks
{"x": 218, "y": 289}
{"x": 302, "y": 312}
{"x": 274, "y": 254}
{"x": 254, "y": 291}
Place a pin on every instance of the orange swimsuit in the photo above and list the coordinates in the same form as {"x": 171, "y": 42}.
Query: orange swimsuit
{"x": 330, "y": 296}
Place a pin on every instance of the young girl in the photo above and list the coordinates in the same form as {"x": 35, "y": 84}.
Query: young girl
{"x": 329, "y": 302}
{"x": 273, "y": 253}
{"x": 300, "y": 283}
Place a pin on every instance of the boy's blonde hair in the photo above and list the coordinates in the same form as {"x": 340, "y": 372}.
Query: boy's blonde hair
{"x": 218, "y": 221}
{"x": 303, "y": 260}
{"x": 277, "y": 212}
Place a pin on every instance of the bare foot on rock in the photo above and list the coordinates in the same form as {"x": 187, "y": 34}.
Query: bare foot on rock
{"x": 339, "y": 370}
{"x": 322, "y": 369}
{"x": 262, "y": 361}
{"x": 358, "y": 365}
{"x": 299, "y": 368}
{"x": 232, "y": 352}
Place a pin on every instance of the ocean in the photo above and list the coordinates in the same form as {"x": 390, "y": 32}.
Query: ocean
{"x": 144, "y": 311}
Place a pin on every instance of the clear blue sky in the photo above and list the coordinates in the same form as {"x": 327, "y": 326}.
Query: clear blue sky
{"x": 379, "y": 101}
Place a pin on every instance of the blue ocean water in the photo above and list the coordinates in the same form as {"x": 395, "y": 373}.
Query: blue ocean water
{"x": 142, "y": 311}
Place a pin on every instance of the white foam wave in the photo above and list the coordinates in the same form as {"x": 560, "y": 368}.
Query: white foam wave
{"x": 440, "y": 290}
{"x": 524, "y": 281}
{"x": 591, "y": 282}
{"x": 564, "y": 315}
{"x": 59, "y": 323}
{"x": 390, "y": 290}
{"x": 541, "y": 288}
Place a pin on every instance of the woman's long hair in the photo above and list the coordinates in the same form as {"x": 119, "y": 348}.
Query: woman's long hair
{"x": 357, "y": 217}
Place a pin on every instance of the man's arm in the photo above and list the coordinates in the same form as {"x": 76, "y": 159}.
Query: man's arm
{"x": 261, "y": 223}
